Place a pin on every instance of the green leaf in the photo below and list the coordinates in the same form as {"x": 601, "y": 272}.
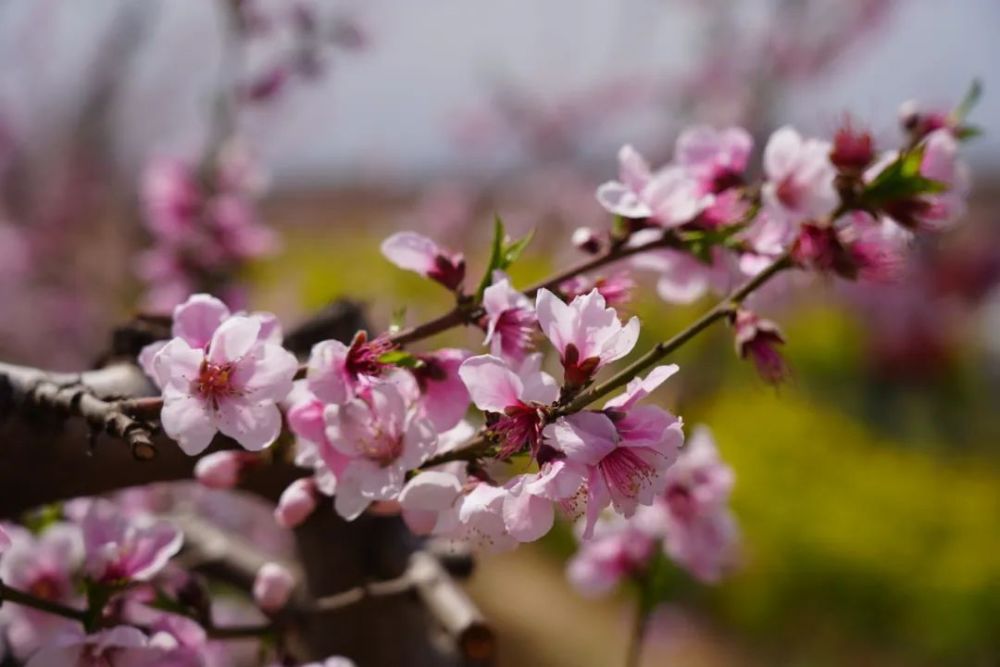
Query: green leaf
{"x": 901, "y": 179}
{"x": 496, "y": 252}
{"x": 966, "y": 132}
{"x": 502, "y": 254}
{"x": 400, "y": 358}
{"x": 969, "y": 101}
{"x": 513, "y": 252}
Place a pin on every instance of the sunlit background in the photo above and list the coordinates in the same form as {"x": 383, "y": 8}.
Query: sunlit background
{"x": 868, "y": 486}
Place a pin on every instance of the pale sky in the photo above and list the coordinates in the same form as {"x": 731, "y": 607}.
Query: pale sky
{"x": 390, "y": 108}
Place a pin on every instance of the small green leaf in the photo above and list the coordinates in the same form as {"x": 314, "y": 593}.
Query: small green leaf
{"x": 400, "y": 358}
{"x": 496, "y": 252}
{"x": 901, "y": 179}
{"x": 968, "y": 102}
{"x": 966, "y": 132}
{"x": 513, "y": 251}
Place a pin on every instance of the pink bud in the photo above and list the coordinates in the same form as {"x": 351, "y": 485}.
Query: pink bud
{"x": 587, "y": 240}
{"x": 272, "y": 587}
{"x": 853, "y": 150}
{"x": 222, "y": 470}
{"x": 759, "y": 339}
{"x": 296, "y": 503}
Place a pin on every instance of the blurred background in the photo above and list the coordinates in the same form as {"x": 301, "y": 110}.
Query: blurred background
{"x": 868, "y": 487}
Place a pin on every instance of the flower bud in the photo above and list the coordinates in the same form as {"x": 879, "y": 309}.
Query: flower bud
{"x": 587, "y": 240}
{"x": 297, "y": 502}
{"x": 853, "y": 150}
{"x": 222, "y": 470}
{"x": 272, "y": 587}
{"x": 758, "y": 339}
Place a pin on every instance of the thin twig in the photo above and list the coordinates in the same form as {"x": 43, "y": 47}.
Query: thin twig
{"x": 470, "y": 314}
{"x": 8, "y": 594}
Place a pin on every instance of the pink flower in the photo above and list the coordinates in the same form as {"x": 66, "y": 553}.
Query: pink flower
{"x": 625, "y": 448}
{"x": 683, "y": 278}
{"x": 444, "y": 399}
{"x": 415, "y": 252}
{"x": 509, "y": 321}
{"x": 4, "y": 540}
{"x": 620, "y": 548}
{"x": 296, "y": 503}
{"x": 121, "y": 646}
{"x": 383, "y": 438}
{"x": 195, "y": 321}
{"x": 233, "y": 387}
{"x": 46, "y": 567}
{"x": 701, "y": 532}
{"x": 587, "y": 334}
{"x": 272, "y": 587}
{"x": 516, "y": 399}
{"x": 759, "y": 339}
{"x": 223, "y": 470}
{"x": 336, "y": 371}
{"x": 941, "y": 163}
{"x": 313, "y": 449}
{"x": 120, "y": 548}
{"x": 855, "y": 246}
{"x": 625, "y": 197}
{"x": 716, "y": 158}
{"x": 799, "y": 177}
{"x": 529, "y": 505}
{"x": 615, "y": 288}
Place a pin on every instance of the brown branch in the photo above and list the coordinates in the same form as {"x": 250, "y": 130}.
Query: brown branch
{"x": 467, "y": 313}
{"x": 74, "y": 395}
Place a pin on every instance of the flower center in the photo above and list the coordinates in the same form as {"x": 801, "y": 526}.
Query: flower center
{"x": 215, "y": 382}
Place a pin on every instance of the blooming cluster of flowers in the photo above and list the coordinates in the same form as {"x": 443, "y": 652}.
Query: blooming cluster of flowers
{"x": 379, "y": 424}
{"x": 376, "y": 424}
{"x": 122, "y": 600}
{"x": 204, "y": 225}
{"x": 690, "y": 522}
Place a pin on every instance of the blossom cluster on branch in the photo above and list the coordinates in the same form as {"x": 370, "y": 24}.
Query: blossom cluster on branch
{"x": 489, "y": 446}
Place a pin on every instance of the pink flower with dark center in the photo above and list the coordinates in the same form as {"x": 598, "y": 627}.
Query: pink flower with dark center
{"x": 620, "y": 548}
{"x": 336, "y": 371}
{"x": 509, "y": 321}
{"x": 516, "y": 400}
{"x": 587, "y": 334}
{"x": 800, "y": 177}
{"x": 45, "y": 566}
{"x": 123, "y": 549}
{"x": 758, "y": 339}
{"x": 233, "y": 386}
{"x": 701, "y": 534}
{"x": 384, "y": 437}
{"x": 615, "y": 288}
{"x": 415, "y": 252}
{"x": 716, "y": 158}
{"x": 625, "y": 448}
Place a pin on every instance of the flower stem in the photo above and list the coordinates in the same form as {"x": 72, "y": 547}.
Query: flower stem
{"x": 466, "y": 314}
{"x": 637, "y": 638}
